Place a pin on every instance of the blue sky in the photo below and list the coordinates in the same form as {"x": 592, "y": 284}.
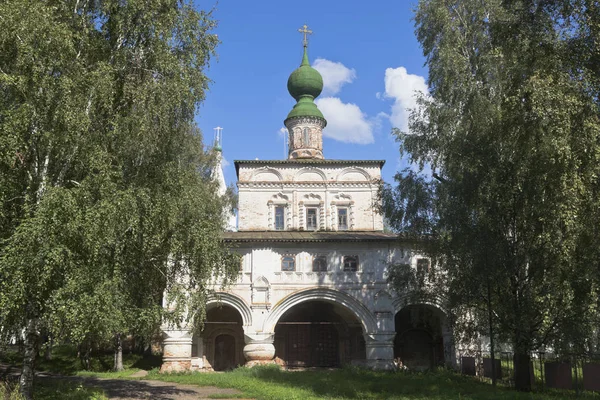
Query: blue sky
{"x": 366, "y": 51}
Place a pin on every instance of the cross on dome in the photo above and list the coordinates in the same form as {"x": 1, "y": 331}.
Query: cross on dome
{"x": 305, "y": 31}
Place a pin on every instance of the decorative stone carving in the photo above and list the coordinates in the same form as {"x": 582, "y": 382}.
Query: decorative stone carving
{"x": 298, "y": 146}
{"x": 260, "y": 292}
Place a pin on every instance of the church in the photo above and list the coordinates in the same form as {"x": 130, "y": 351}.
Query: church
{"x": 312, "y": 288}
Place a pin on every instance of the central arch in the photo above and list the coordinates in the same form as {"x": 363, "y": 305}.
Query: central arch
{"x": 366, "y": 318}
{"x": 319, "y": 328}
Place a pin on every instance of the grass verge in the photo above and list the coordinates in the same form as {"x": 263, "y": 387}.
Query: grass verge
{"x": 352, "y": 383}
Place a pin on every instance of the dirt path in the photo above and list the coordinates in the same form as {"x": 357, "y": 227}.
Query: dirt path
{"x": 122, "y": 389}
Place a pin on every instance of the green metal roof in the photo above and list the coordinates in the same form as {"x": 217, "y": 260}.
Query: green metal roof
{"x": 305, "y": 107}
{"x": 305, "y": 84}
{"x": 305, "y": 80}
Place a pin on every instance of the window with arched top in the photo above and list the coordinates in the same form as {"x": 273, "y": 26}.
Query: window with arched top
{"x": 350, "y": 263}
{"x": 319, "y": 264}
{"x": 305, "y": 137}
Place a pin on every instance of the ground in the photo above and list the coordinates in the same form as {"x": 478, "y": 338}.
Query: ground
{"x": 264, "y": 383}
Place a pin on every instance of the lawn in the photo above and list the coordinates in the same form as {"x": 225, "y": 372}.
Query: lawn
{"x": 352, "y": 383}
{"x": 273, "y": 383}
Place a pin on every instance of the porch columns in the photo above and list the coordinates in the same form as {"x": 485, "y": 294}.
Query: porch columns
{"x": 380, "y": 351}
{"x": 450, "y": 357}
{"x": 177, "y": 350}
{"x": 259, "y": 348}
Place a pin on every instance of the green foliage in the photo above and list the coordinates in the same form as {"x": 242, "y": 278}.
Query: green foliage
{"x": 510, "y": 129}
{"x": 106, "y": 199}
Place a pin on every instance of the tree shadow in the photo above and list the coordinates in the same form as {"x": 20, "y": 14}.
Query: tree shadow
{"x": 137, "y": 389}
{"x": 356, "y": 383}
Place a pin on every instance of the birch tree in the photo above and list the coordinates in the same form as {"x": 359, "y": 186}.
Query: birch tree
{"x": 105, "y": 189}
{"x": 510, "y": 129}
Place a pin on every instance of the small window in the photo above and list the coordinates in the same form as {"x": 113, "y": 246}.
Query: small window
{"x": 288, "y": 263}
{"x": 320, "y": 264}
{"x": 350, "y": 263}
{"x": 306, "y": 137}
{"x": 311, "y": 218}
{"x": 279, "y": 218}
{"x": 342, "y": 219}
{"x": 423, "y": 270}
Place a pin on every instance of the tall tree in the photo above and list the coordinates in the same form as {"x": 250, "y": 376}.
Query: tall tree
{"x": 510, "y": 128}
{"x": 105, "y": 190}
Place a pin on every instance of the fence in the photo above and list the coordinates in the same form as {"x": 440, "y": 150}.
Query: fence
{"x": 570, "y": 371}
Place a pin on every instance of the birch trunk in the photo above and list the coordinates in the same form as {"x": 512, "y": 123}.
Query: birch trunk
{"x": 118, "y": 364}
{"x": 28, "y": 371}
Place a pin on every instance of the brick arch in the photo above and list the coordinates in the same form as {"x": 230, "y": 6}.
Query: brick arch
{"x": 233, "y": 301}
{"x": 349, "y": 170}
{"x": 366, "y": 318}
{"x": 407, "y": 299}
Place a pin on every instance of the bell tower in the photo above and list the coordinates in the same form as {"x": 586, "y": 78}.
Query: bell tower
{"x": 305, "y": 122}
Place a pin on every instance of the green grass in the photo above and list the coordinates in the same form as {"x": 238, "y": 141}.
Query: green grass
{"x": 273, "y": 383}
{"x": 352, "y": 383}
{"x": 64, "y": 361}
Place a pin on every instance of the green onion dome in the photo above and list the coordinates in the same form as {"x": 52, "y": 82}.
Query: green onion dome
{"x": 305, "y": 84}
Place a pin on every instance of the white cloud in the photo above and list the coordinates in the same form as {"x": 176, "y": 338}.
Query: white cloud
{"x": 335, "y": 75}
{"x": 402, "y": 87}
{"x": 345, "y": 121}
{"x": 282, "y": 131}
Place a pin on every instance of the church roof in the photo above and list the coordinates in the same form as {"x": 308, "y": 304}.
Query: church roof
{"x": 308, "y": 236}
{"x": 237, "y": 163}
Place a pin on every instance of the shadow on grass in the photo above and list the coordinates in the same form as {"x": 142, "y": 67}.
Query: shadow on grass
{"x": 353, "y": 383}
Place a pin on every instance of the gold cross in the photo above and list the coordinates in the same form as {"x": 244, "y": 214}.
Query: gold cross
{"x": 305, "y": 31}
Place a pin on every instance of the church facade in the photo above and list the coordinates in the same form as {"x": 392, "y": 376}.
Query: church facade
{"x": 312, "y": 288}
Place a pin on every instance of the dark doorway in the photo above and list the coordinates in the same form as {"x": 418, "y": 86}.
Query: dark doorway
{"x": 224, "y": 353}
{"x": 318, "y": 334}
{"x": 311, "y": 345}
{"x": 221, "y": 341}
{"x": 419, "y": 343}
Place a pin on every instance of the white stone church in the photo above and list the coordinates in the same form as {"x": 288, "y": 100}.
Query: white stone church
{"x": 312, "y": 289}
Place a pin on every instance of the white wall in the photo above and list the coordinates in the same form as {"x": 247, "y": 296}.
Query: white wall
{"x": 297, "y": 186}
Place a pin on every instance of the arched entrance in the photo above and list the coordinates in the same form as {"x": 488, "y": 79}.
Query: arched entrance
{"x": 419, "y": 343}
{"x": 224, "y": 358}
{"x": 220, "y": 344}
{"x": 318, "y": 334}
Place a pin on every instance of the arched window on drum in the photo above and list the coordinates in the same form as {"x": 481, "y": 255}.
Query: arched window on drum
{"x": 306, "y": 137}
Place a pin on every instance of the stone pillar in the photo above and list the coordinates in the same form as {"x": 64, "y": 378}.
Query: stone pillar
{"x": 380, "y": 351}
{"x": 450, "y": 357}
{"x": 259, "y": 349}
{"x": 177, "y": 350}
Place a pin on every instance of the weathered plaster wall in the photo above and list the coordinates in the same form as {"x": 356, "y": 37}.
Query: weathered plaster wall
{"x": 262, "y": 187}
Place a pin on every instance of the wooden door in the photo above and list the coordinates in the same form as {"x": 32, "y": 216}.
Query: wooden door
{"x": 224, "y": 353}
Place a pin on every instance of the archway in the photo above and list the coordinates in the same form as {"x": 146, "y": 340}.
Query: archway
{"x": 419, "y": 342}
{"x": 317, "y": 333}
{"x": 219, "y": 345}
